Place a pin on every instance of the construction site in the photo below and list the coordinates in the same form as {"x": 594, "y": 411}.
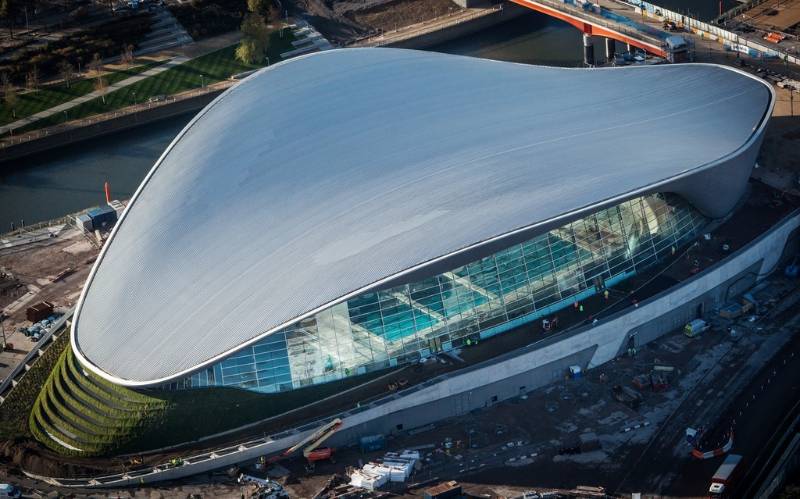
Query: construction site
{"x": 702, "y": 398}
{"x": 637, "y": 423}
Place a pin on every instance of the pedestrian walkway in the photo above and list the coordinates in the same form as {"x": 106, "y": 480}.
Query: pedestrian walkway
{"x": 175, "y": 56}
{"x": 66, "y": 106}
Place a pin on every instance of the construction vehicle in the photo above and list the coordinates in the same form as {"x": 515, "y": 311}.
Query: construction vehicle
{"x": 724, "y": 477}
{"x": 311, "y": 450}
{"x": 695, "y": 328}
{"x": 266, "y": 489}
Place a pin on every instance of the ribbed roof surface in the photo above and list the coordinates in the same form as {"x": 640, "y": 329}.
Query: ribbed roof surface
{"x": 320, "y": 176}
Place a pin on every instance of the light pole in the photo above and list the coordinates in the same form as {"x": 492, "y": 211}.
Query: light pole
{"x": 3, "y": 328}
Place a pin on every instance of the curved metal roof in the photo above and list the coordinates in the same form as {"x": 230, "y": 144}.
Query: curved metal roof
{"x": 328, "y": 174}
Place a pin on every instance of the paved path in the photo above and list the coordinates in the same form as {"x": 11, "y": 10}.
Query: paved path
{"x": 175, "y": 56}
{"x": 66, "y": 106}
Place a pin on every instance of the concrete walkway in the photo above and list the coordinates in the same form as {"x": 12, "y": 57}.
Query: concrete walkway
{"x": 66, "y": 106}
{"x": 175, "y": 56}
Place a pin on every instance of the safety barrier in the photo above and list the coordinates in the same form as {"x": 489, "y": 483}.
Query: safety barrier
{"x": 707, "y": 30}
{"x": 19, "y": 371}
{"x": 698, "y": 454}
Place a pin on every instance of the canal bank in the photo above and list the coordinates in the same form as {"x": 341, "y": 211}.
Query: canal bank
{"x": 445, "y": 28}
{"x": 418, "y": 36}
{"x": 110, "y": 123}
{"x": 64, "y": 180}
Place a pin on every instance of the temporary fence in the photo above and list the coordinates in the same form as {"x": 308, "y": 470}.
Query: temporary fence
{"x": 733, "y": 41}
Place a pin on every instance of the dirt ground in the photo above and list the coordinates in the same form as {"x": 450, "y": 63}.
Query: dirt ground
{"x": 528, "y": 442}
{"x": 779, "y": 161}
{"x": 344, "y": 21}
{"x": 32, "y": 268}
{"x": 780, "y": 15}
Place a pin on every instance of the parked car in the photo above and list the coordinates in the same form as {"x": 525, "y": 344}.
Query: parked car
{"x": 8, "y": 490}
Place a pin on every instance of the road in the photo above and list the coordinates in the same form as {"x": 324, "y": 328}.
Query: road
{"x": 753, "y": 399}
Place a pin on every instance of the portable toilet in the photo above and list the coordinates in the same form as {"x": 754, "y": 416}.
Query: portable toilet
{"x": 84, "y": 222}
{"x": 677, "y": 49}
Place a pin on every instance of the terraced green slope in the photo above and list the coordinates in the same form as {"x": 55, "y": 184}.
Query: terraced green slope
{"x": 78, "y": 413}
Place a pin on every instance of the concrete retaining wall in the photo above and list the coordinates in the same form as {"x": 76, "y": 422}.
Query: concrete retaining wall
{"x": 653, "y": 318}
{"x": 516, "y": 372}
{"x": 508, "y": 12}
{"x": 106, "y": 126}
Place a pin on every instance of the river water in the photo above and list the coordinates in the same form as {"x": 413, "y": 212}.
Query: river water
{"x": 66, "y": 180}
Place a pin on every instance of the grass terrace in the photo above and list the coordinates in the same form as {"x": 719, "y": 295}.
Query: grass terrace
{"x": 204, "y": 70}
{"x": 33, "y": 102}
{"x": 77, "y": 413}
{"x": 15, "y": 409}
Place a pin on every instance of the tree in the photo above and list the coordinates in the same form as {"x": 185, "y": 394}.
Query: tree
{"x": 256, "y": 6}
{"x": 8, "y": 10}
{"x": 97, "y": 64}
{"x": 67, "y": 71}
{"x": 255, "y": 36}
{"x": 247, "y": 52}
{"x": 9, "y": 94}
{"x": 101, "y": 86}
{"x": 32, "y": 79}
{"x": 127, "y": 55}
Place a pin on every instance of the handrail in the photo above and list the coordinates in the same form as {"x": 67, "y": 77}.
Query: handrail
{"x": 39, "y": 346}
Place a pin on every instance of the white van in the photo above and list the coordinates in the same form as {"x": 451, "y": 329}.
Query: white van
{"x": 695, "y": 328}
{"x": 8, "y": 490}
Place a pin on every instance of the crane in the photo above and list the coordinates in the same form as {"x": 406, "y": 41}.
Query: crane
{"x": 311, "y": 443}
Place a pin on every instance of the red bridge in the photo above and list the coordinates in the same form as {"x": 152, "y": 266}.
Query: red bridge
{"x": 600, "y": 23}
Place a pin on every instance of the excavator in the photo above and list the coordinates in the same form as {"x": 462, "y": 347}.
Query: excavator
{"x": 311, "y": 445}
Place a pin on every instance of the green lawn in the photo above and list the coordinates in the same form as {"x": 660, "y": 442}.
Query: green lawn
{"x": 52, "y": 95}
{"x": 210, "y": 68}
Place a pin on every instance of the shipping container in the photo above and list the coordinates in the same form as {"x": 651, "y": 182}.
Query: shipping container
{"x": 40, "y": 311}
{"x": 103, "y": 218}
{"x": 372, "y": 443}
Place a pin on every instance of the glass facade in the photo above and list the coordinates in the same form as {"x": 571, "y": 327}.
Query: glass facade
{"x": 390, "y": 327}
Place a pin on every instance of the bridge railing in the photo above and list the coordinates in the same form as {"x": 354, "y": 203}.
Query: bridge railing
{"x": 597, "y": 18}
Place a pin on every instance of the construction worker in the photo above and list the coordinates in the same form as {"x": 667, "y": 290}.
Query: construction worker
{"x": 605, "y": 294}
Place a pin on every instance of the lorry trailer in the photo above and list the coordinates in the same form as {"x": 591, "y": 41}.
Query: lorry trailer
{"x": 724, "y": 477}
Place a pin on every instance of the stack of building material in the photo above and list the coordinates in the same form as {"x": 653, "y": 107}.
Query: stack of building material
{"x": 444, "y": 490}
{"x": 394, "y": 467}
{"x": 367, "y": 479}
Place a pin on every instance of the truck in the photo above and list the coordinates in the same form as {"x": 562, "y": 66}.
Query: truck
{"x": 8, "y": 490}
{"x": 695, "y": 328}
{"x": 724, "y": 477}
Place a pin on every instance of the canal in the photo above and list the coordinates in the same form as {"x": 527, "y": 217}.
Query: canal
{"x": 66, "y": 180}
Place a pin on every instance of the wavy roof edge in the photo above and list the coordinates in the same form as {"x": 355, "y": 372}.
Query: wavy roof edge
{"x": 503, "y": 240}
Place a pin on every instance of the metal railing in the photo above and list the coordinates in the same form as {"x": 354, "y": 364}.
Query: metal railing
{"x": 8, "y": 384}
{"x": 599, "y": 20}
{"x": 132, "y": 110}
{"x": 383, "y": 37}
{"x": 715, "y": 32}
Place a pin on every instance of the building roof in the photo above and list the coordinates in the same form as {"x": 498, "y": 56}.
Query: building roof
{"x": 321, "y": 177}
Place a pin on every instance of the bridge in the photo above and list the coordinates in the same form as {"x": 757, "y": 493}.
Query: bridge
{"x": 594, "y": 19}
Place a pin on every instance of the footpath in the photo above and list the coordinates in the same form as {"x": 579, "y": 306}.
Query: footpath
{"x": 174, "y": 58}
